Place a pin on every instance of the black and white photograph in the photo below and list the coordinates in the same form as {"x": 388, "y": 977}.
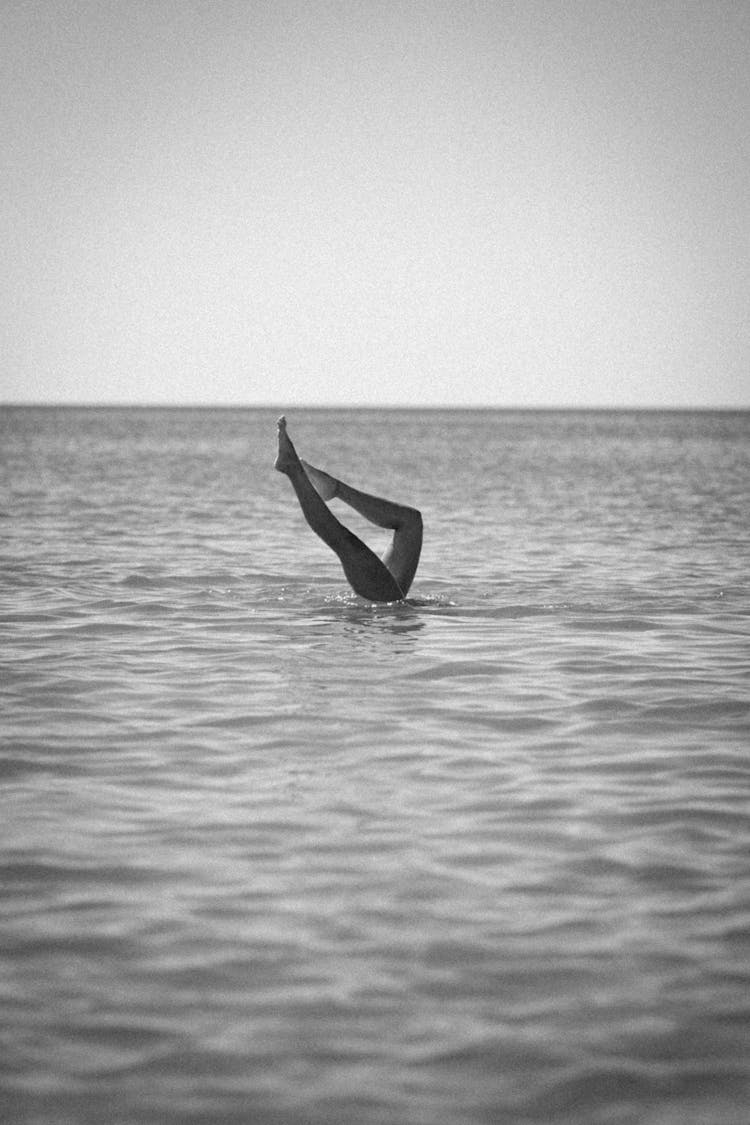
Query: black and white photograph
{"x": 375, "y": 562}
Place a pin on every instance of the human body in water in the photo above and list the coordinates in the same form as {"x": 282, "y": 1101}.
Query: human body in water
{"x": 379, "y": 580}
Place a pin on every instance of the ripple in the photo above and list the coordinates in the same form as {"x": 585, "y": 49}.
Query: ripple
{"x": 274, "y": 854}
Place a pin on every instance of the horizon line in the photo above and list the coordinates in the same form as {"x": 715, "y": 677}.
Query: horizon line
{"x": 600, "y": 408}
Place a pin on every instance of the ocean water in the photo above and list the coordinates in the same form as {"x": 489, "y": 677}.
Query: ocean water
{"x": 272, "y": 854}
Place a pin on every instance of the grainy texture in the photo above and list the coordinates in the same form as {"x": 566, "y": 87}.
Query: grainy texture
{"x": 272, "y": 854}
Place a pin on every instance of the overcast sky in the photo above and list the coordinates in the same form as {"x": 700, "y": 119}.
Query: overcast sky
{"x": 511, "y": 204}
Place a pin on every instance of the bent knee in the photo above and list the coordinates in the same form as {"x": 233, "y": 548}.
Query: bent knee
{"x": 413, "y": 519}
{"x": 415, "y": 524}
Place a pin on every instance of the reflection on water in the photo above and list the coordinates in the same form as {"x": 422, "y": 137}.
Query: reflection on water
{"x": 396, "y": 620}
{"x": 273, "y": 854}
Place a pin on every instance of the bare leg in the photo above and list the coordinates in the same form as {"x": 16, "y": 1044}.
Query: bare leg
{"x": 402, "y": 555}
{"x": 324, "y": 484}
{"x": 367, "y": 575}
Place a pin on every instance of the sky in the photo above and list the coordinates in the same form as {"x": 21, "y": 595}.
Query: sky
{"x": 455, "y": 202}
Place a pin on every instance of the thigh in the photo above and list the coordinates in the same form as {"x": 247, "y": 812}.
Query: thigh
{"x": 368, "y": 576}
{"x": 402, "y": 556}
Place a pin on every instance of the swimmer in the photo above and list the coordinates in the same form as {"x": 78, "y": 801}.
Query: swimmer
{"x": 379, "y": 580}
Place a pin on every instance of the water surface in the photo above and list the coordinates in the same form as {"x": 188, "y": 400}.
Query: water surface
{"x": 272, "y": 854}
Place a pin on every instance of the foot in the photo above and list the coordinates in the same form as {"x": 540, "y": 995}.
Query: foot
{"x": 287, "y": 459}
{"x": 324, "y": 484}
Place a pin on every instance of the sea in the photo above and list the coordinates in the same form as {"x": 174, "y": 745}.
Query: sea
{"x": 273, "y": 855}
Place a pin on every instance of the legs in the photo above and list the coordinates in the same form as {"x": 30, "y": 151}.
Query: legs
{"x": 387, "y": 580}
{"x": 402, "y": 555}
